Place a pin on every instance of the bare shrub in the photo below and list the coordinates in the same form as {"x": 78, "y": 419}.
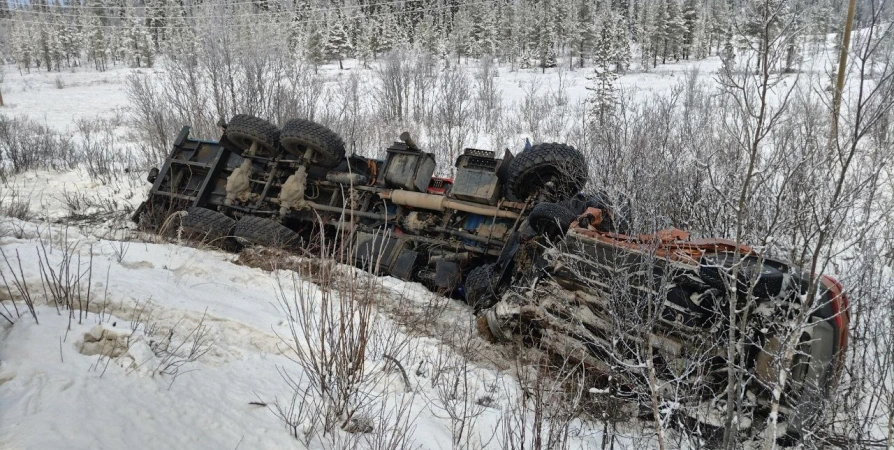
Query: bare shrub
{"x": 92, "y": 206}
{"x": 175, "y": 352}
{"x": 349, "y": 114}
{"x": 452, "y": 126}
{"x": 171, "y": 349}
{"x": 394, "y": 82}
{"x": 2, "y": 78}
{"x": 149, "y": 122}
{"x": 299, "y": 414}
{"x": 330, "y": 327}
{"x": 27, "y": 145}
{"x": 393, "y": 426}
{"x": 105, "y": 156}
{"x": 532, "y": 109}
{"x": 489, "y": 101}
{"x": 458, "y": 385}
{"x": 544, "y": 401}
{"x": 12, "y": 204}
{"x": 305, "y": 92}
{"x": 67, "y": 283}
{"x": 21, "y": 287}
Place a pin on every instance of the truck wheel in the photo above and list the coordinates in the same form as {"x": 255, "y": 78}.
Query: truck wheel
{"x": 261, "y": 231}
{"x": 551, "y": 219}
{"x": 481, "y": 287}
{"x": 205, "y": 225}
{"x": 245, "y": 130}
{"x": 299, "y": 135}
{"x": 552, "y": 171}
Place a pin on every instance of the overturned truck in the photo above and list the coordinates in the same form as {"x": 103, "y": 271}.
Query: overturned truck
{"x": 538, "y": 260}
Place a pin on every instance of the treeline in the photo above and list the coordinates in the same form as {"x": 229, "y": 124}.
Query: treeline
{"x": 615, "y": 35}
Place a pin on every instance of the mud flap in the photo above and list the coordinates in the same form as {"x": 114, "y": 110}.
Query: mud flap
{"x": 376, "y": 253}
{"x": 447, "y": 275}
{"x": 404, "y": 265}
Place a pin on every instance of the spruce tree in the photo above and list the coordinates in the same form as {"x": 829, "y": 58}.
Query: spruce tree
{"x": 586, "y": 31}
{"x": 314, "y": 44}
{"x": 483, "y": 40}
{"x": 620, "y": 42}
{"x": 546, "y": 36}
{"x": 601, "y": 99}
{"x": 22, "y": 43}
{"x": 719, "y": 26}
{"x": 690, "y": 28}
{"x": 364, "y": 47}
{"x": 672, "y": 31}
{"x": 338, "y": 44}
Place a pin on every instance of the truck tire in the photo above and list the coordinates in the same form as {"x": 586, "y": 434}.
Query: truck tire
{"x": 551, "y": 170}
{"x": 260, "y": 231}
{"x": 207, "y": 226}
{"x": 551, "y": 219}
{"x": 300, "y": 134}
{"x": 480, "y": 287}
{"x": 243, "y": 130}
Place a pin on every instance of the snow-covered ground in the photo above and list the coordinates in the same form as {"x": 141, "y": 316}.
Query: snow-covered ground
{"x": 57, "y": 392}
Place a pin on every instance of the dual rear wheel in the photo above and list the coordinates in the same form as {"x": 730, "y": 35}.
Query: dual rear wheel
{"x": 253, "y": 136}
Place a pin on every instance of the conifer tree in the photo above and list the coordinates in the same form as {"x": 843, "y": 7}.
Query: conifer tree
{"x": 620, "y": 42}
{"x": 586, "y": 32}
{"x": 601, "y": 99}
{"x": 338, "y": 44}
{"x": 314, "y": 44}
{"x": 690, "y": 28}
{"x": 483, "y": 40}
{"x": 546, "y": 36}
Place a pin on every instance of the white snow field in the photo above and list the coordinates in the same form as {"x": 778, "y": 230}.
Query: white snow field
{"x": 57, "y": 392}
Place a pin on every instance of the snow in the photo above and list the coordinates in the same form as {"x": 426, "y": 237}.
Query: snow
{"x": 62, "y": 385}
{"x": 52, "y": 393}
{"x": 59, "y": 99}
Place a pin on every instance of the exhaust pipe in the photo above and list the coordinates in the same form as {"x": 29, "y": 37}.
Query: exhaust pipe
{"x": 441, "y": 203}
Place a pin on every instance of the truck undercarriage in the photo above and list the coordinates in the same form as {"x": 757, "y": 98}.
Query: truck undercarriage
{"x": 537, "y": 259}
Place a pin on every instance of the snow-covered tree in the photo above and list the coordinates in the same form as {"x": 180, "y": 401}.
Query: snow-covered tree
{"x": 338, "y": 44}
{"x": 620, "y": 42}
{"x": 97, "y": 43}
{"x": 70, "y": 44}
{"x": 764, "y": 23}
{"x": 461, "y": 33}
{"x": 389, "y": 35}
{"x": 718, "y": 27}
{"x": 364, "y": 46}
{"x": 690, "y": 28}
{"x": 602, "y": 95}
{"x": 483, "y": 40}
{"x": 23, "y": 44}
{"x": 669, "y": 29}
{"x": 314, "y": 44}
{"x": 546, "y": 33}
{"x": 140, "y": 49}
{"x": 584, "y": 35}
